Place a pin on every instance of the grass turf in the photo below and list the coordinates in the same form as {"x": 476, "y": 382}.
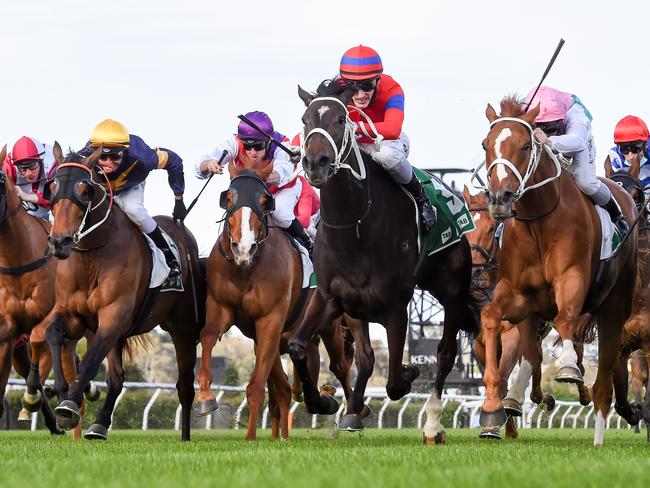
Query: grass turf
{"x": 373, "y": 459}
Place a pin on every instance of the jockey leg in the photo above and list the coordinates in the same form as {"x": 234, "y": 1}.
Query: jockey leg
{"x": 585, "y": 177}
{"x": 392, "y": 156}
{"x": 284, "y": 216}
{"x": 131, "y": 201}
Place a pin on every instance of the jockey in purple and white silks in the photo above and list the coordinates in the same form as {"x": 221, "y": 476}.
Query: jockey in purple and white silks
{"x": 564, "y": 124}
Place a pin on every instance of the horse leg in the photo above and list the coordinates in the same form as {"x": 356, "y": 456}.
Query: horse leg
{"x": 646, "y": 404}
{"x": 114, "y": 384}
{"x": 6, "y": 358}
{"x": 280, "y": 404}
{"x": 318, "y": 317}
{"x": 340, "y": 354}
{"x": 186, "y": 360}
{"x": 365, "y": 362}
{"x": 55, "y": 336}
{"x": 217, "y": 320}
{"x": 267, "y": 341}
{"x": 583, "y": 391}
{"x": 569, "y": 295}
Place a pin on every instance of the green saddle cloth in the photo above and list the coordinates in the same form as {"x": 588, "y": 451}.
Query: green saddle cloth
{"x": 454, "y": 218}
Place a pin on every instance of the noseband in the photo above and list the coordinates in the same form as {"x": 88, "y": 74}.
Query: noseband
{"x": 68, "y": 185}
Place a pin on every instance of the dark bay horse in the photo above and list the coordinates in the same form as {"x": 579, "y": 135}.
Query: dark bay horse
{"x": 255, "y": 281}
{"x": 102, "y": 285}
{"x": 26, "y": 293}
{"x": 365, "y": 256}
{"x": 553, "y": 267}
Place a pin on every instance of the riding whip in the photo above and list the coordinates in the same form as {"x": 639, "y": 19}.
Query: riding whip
{"x": 244, "y": 119}
{"x": 223, "y": 155}
{"x": 548, "y": 68}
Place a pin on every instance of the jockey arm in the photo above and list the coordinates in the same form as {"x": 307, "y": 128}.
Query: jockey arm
{"x": 576, "y": 133}
{"x": 208, "y": 163}
{"x": 282, "y": 167}
{"x": 393, "y": 115}
{"x": 160, "y": 158}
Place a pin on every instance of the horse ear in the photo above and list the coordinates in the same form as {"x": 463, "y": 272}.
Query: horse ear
{"x": 531, "y": 115}
{"x": 265, "y": 171}
{"x": 305, "y": 96}
{"x": 233, "y": 170}
{"x": 91, "y": 160}
{"x": 3, "y": 153}
{"x": 58, "y": 153}
{"x": 466, "y": 194}
{"x": 490, "y": 113}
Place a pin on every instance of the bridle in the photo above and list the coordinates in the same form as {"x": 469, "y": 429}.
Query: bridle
{"x": 68, "y": 189}
{"x": 490, "y": 264}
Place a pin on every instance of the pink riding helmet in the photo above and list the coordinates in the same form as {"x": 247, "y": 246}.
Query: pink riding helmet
{"x": 553, "y": 104}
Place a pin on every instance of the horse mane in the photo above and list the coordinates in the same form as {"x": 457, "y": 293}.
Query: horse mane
{"x": 72, "y": 157}
{"x": 510, "y": 106}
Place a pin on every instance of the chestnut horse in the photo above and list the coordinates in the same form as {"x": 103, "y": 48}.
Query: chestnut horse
{"x": 365, "y": 256}
{"x": 255, "y": 280}
{"x": 26, "y": 293}
{"x": 101, "y": 252}
{"x": 553, "y": 267}
{"x": 484, "y": 241}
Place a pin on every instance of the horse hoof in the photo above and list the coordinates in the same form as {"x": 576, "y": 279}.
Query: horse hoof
{"x": 57, "y": 431}
{"x": 365, "y": 411}
{"x": 490, "y": 433}
{"x": 205, "y": 407}
{"x": 512, "y": 407}
{"x": 549, "y": 401}
{"x": 67, "y": 409}
{"x": 32, "y": 401}
{"x": 327, "y": 389}
{"x": 569, "y": 374}
{"x": 328, "y": 405}
{"x": 351, "y": 423}
{"x": 24, "y": 415}
{"x": 67, "y": 423}
{"x": 93, "y": 392}
{"x": 96, "y": 432}
{"x": 49, "y": 392}
{"x": 439, "y": 438}
{"x": 410, "y": 372}
{"x": 631, "y": 413}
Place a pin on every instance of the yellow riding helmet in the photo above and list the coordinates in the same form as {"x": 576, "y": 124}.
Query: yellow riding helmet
{"x": 110, "y": 133}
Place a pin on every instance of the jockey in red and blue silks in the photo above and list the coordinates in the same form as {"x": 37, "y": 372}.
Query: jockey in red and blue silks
{"x": 127, "y": 161}
{"x": 632, "y": 139}
{"x": 251, "y": 149}
{"x": 381, "y": 98}
{"x": 30, "y": 165}
{"x": 564, "y": 123}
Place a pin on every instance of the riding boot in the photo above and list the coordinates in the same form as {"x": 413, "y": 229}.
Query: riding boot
{"x": 297, "y": 231}
{"x": 158, "y": 239}
{"x": 428, "y": 213}
{"x": 617, "y": 217}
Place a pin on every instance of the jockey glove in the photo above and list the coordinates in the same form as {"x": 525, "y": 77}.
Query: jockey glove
{"x": 180, "y": 211}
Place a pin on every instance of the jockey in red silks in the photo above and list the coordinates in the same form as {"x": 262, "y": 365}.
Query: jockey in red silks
{"x": 381, "y": 99}
{"x": 632, "y": 138}
{"x": 30, "y": 165}
{"x": 307, "y": 209}
{"x": 249, "y": 148}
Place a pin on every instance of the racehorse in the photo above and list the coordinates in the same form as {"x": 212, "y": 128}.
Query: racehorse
{"x": 101, "y": 251}
{"x": 553, "y": 267}
{"x": 26, "y": 293}
{"x": 365, "y": 258}
{"x": 484, "y": 241}
{"x": 255, "y": 280}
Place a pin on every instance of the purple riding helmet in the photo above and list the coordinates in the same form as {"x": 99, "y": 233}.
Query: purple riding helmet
{"x": 247, "y": 133}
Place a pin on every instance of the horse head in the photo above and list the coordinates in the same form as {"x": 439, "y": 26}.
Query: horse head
{"x": 632, "y": 185}
{"x": 328, "y": 133}
{"x": 511, "y": 155}
{"x": 247, "y": 202}
{"x": 75, "y": 194}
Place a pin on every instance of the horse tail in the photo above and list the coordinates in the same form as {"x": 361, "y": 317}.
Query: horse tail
{"x": 135, "y": 345}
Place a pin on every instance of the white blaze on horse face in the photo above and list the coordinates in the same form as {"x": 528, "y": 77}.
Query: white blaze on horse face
{"x": 247, "y": 235}
{"x": 477, "y": 217}
{"x": 321, "y": 111}
{"x": 503, "y": 135}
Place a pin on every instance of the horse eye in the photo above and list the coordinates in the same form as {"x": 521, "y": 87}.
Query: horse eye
{"x": 526, "y": 147}
{"x": 342, "y": 120}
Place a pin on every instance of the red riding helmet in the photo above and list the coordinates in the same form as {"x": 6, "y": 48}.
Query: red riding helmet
{"x": 631, "y": 129}
{"x": 360, "y": 63}
{"x": 27, "y": 149}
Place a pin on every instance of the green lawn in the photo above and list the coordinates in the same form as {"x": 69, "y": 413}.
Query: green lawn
{"x": 373, "y": 459}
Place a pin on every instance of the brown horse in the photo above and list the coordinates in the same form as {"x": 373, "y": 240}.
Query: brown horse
{"x": 553, "y": 267}
{"x": 255, "y": 280}
{"x": 514, "y": 347}
{"x": 101, "y": 251}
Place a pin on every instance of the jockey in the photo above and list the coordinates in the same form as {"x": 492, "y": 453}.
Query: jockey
{"x": 251, "y": 149}
{"x": 308, "y": 207}
{"x": 127, "y": 161}
{"x": 30, "y": 165}
{"x": 632, "y": 138}
{"x": 565, "y": 125}
{"x": 381, "y": 98}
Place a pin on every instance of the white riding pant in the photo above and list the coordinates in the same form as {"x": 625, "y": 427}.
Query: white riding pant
{"x": 285, "y": 203}
{"x": 584, "y": 174}
{"x": 393, "y": 157}
{"x": 131, "y": 201}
